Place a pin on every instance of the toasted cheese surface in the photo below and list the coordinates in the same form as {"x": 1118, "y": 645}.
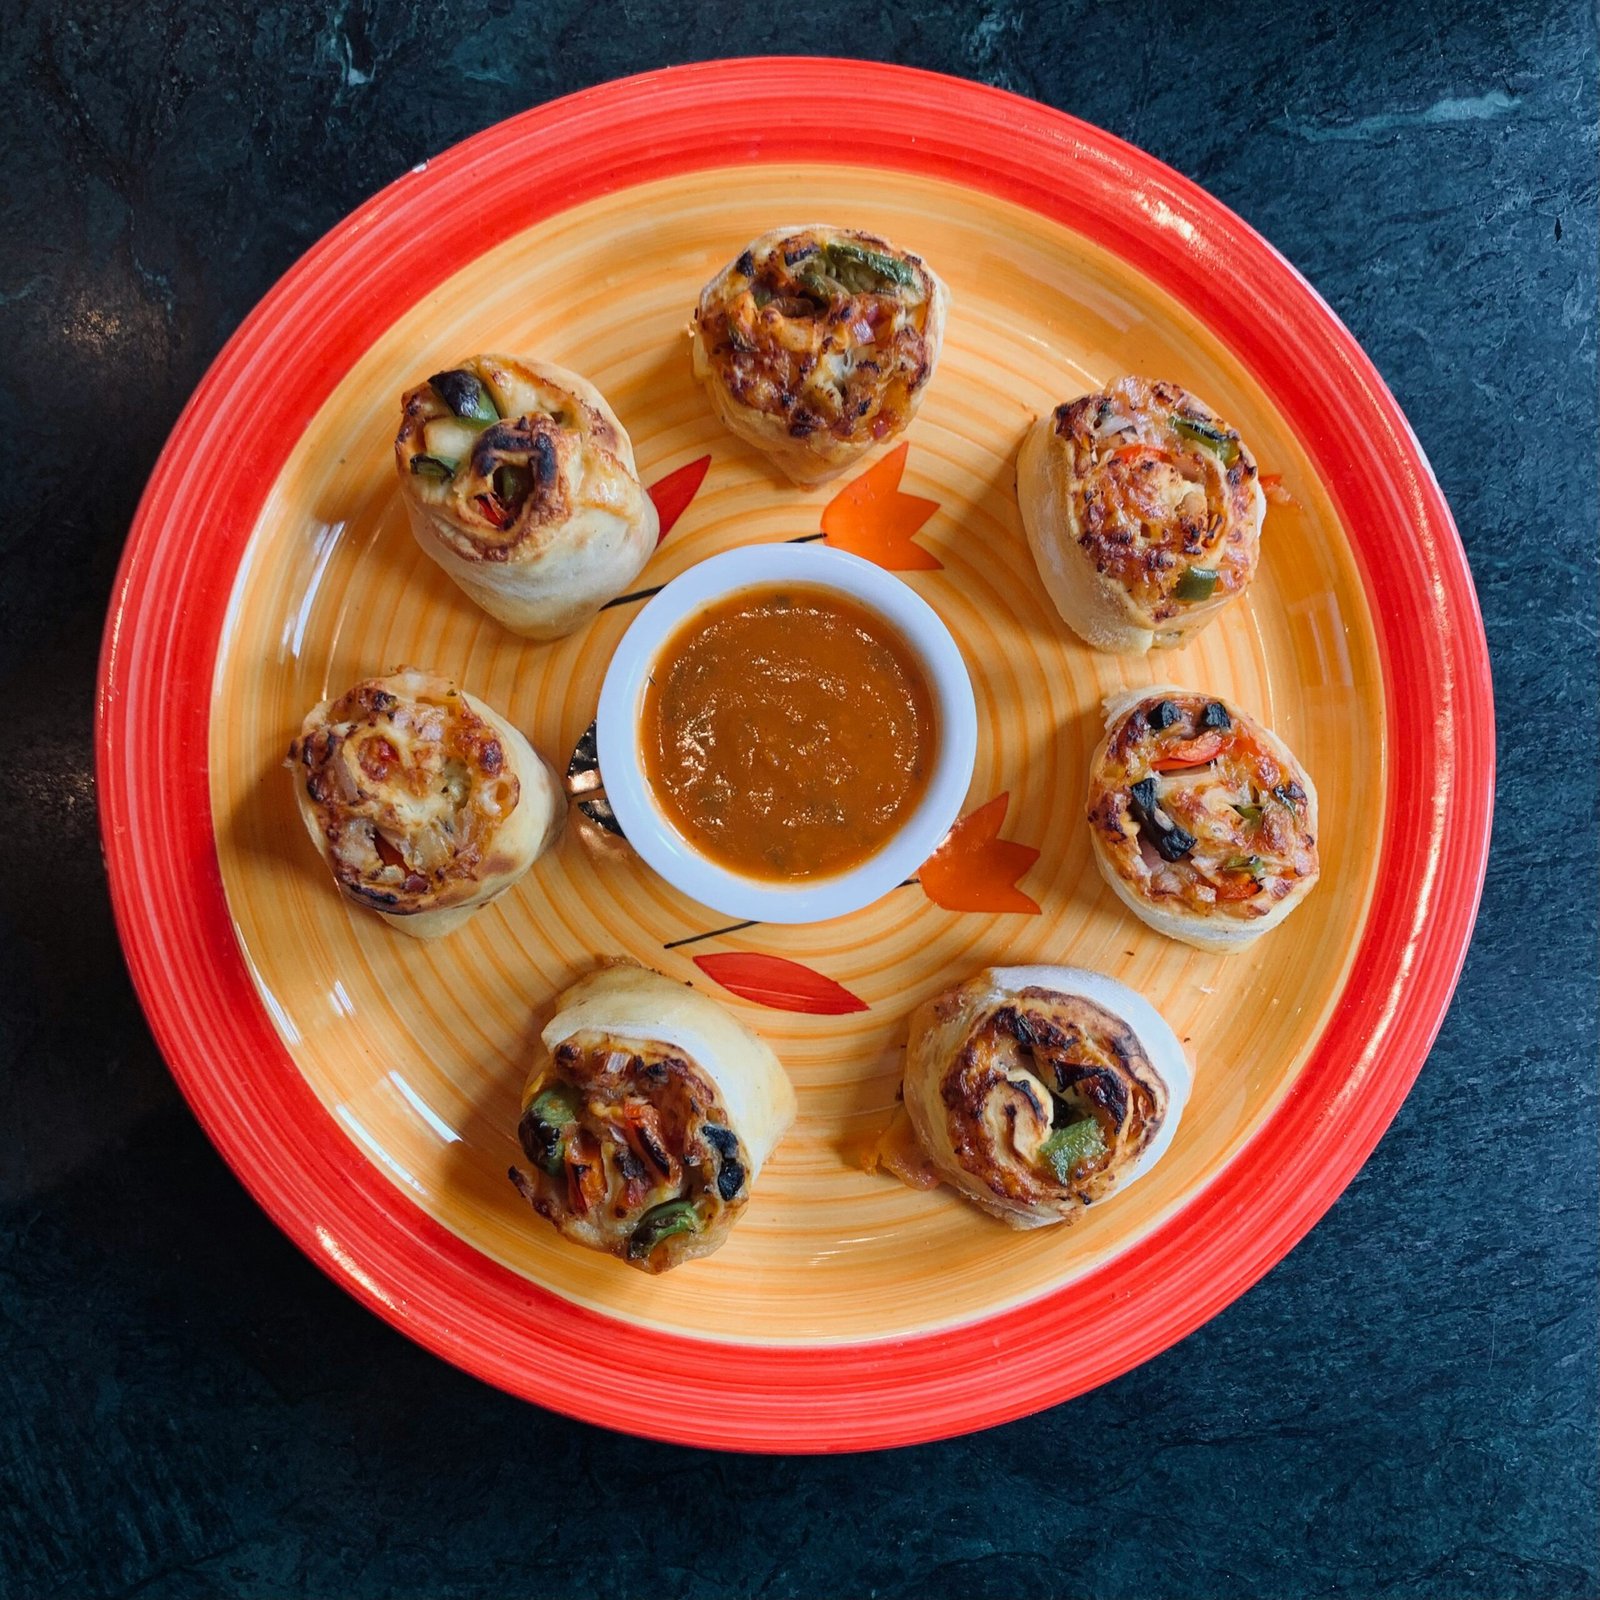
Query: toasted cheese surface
{"x": 817, "y": 342}
{"x": 1200, "y": 812}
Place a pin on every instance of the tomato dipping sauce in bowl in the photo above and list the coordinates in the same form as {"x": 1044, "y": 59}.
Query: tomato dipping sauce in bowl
{"x": 786, "y": 732}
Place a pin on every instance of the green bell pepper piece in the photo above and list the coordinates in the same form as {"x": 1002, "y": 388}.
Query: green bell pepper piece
{"x": 1196, "y": 584}
{"x": 662, "y": 1222}
{"x": 1215, "y": 440}
{"x": 1068, "y": 1148}
{"x": 466, "y": 394}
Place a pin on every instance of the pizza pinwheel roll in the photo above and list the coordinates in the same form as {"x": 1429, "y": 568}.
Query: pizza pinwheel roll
{"x": 648, "y": 1115}
{"x": 1203, "y": 822}
{"x": 424, "y": 802}
{"x": 1143, "y": 509}
{"x": 816, "y": 344}
{"x": 1039, "y": 1091}
{"x": 520, "y": 483}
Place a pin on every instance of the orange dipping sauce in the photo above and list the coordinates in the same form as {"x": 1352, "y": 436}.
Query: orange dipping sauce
{"x": 787, "y": 732}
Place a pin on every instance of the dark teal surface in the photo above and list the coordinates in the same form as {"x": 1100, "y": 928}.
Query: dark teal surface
{"x": 1406, "y": 1406}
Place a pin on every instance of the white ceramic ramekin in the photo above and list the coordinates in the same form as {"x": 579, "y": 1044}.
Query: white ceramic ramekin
{"x": 665, "y": 849}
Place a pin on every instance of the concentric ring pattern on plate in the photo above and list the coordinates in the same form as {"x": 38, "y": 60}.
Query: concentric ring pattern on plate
{"x": 365, "y": 1086}
{"x": 420, "y": 1050}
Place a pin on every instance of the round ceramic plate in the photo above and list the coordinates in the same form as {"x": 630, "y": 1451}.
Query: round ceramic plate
{"x": 365, "y": 1085}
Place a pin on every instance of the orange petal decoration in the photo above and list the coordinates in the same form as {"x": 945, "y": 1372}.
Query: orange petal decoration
{"x": 975, "y": 869}
{"x": 871, "y": 518}
{"x": 779, "y": 984}
{"x": 674, "y": 492}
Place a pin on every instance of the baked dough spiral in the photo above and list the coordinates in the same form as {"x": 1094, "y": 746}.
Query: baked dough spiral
{"x": 424, "y": 803}
{"x": 1143, "y": 509}
{"x": 520, "y": 483}
{"x": 648, "y": 1115}
{"x": 816, "y": 344}
{"x": 1039, "y": 1091}
{"x": 1202, "y": 820}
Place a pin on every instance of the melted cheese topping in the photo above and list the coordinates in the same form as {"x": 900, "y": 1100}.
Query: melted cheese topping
{"x": 1162, "y": 494}
{"x": 822, "y": 330}
{"x": 408, "y": 789}
{"x": 1197, "y": 806}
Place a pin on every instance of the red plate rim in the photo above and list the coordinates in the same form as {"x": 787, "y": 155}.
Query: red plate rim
{"x": 169, "y": 609}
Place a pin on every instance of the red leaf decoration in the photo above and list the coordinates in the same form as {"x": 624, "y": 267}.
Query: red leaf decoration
{"x": 781, "y": 984}
{"x": 871, "y": 518}
{"x": 975, "y": 869}
{"x": 674, "y": 492}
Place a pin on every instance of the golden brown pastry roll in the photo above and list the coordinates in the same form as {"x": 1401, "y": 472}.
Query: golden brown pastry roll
{"x": 648, "y": 1115}
{"x": 424, "y": 802}
{"x": 1040, "y": 1091}
{"x": 816, "y": 344}
{"x": 1143, "y": 509}
{"x": 520, "y": 483}
{"x": 1203, "y": 821}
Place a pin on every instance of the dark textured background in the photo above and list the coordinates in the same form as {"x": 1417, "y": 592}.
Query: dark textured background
{"x": 1406, "y": 1406}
